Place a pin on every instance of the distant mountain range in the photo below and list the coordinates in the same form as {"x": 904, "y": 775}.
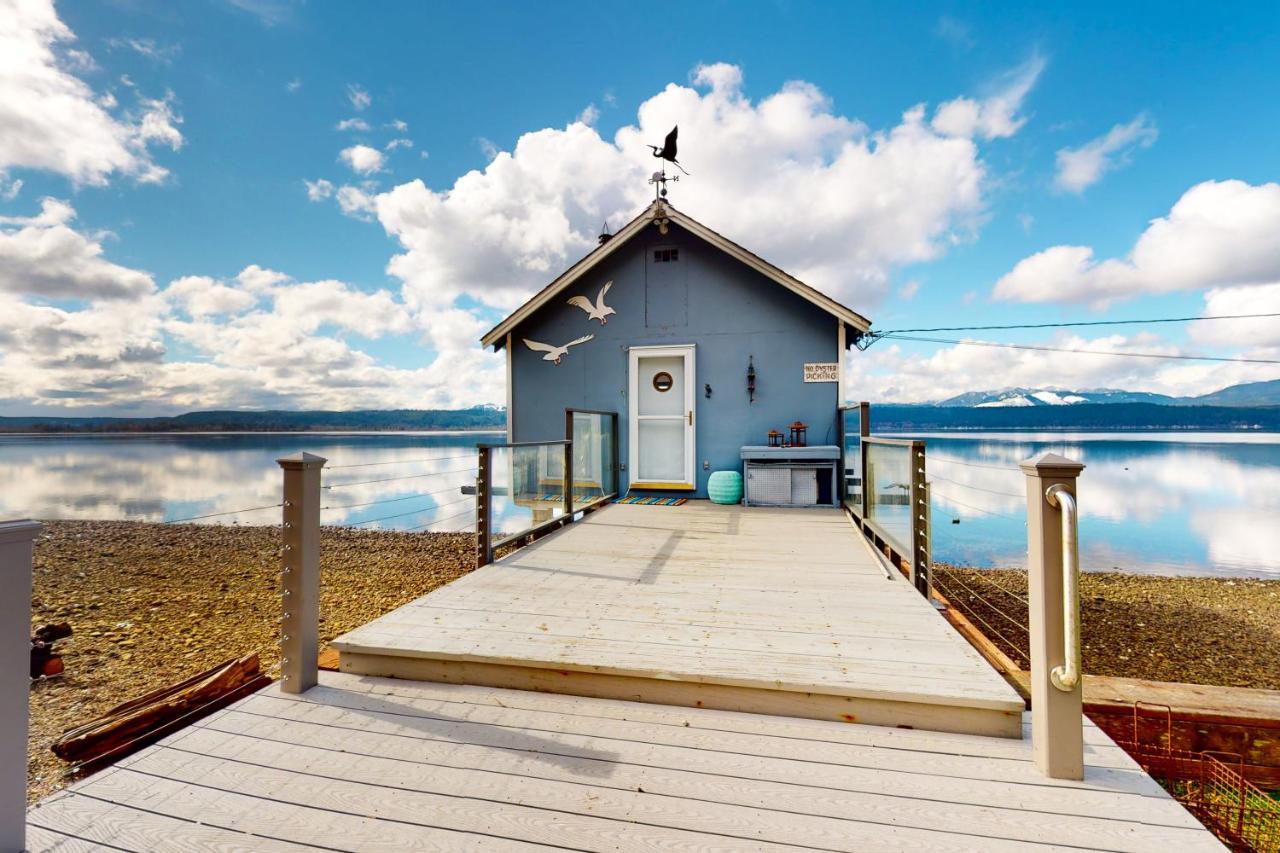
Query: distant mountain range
{"x": 475, "y": 418}
{"x": 1250, "y": 394}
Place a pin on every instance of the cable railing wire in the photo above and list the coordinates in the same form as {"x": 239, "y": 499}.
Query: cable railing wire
{"x": 946, "y": 497}
{"x": 401, "y": 462}
{"x": 417, "y": 496}
{"x": 218, "y": 514}
{"x": 404, "y": 514}
{"x": 988, "y": 603}
{"x": 970, "y": 611}
{"x": 394, "y": 479}
{"x": 933, "y": 460}
{"x": 975, "y": 488}
{"x": 467, "y": 511}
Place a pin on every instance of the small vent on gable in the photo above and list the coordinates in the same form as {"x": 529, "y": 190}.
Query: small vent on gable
{"x": 666, "y": 256}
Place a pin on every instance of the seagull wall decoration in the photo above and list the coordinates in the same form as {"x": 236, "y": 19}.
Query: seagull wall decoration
{"x": 554, "y": 353}
{"x": 668, "y": 150}
{"x": 598, "y": 311}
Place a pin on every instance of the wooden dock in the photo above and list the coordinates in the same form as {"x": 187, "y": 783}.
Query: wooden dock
{"x": 362, "y": 763}
{"x": 775, "y": 611}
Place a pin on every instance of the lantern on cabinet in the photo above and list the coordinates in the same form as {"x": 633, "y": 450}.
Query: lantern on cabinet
{"x": 798, "y": 431}
{"x": 775, "y": 438}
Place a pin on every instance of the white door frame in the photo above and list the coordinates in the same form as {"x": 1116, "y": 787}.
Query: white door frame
{"x": 634, "y": 354}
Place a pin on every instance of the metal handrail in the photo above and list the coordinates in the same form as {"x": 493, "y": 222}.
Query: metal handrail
{"x": 1067, "y": 676}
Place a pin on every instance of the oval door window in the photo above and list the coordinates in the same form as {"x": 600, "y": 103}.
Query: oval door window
{"x": 662, "y": 381}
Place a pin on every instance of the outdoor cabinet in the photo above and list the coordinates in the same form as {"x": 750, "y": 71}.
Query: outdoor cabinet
{"x": 789, "y": 476}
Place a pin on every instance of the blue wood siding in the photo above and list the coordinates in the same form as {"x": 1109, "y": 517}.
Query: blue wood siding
{"x": 730, "y": 313}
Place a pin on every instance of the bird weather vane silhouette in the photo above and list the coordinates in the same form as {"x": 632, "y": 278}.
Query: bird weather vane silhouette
{"x": 667, "y": 154}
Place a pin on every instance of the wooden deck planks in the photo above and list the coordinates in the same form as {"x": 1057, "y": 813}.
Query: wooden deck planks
{"x": 374, "y": 764}
{"x": 788, "y": 601}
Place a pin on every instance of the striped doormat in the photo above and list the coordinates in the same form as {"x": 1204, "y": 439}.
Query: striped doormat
{"x": 653, "y": 501}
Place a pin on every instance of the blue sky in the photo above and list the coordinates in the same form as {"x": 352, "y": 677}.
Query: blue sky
{"x": 216, "y": 221}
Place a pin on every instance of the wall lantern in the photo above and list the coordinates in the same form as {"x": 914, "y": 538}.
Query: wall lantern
{"x": 798, "y": 431}
{"x": 707, "y": 387}
{"x": 775, "y": 438}
{"x": 751, "y": 379}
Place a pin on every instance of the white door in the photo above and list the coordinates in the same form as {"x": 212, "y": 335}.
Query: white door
{"x": 661, "y": 410}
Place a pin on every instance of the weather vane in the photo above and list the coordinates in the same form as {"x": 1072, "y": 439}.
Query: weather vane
{"x": 667, "y": 154}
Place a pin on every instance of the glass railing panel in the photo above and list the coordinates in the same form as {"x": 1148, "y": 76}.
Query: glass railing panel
{"x": 889, "y": 491}
{"x": 527, "y": 488}
{"x": 851, "y": 443}
{"x": 593, "y": 474}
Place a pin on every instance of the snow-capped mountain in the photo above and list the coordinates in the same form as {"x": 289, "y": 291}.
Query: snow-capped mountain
{"x": 1249, "y": 394}
{"x": 1027, "y": 397}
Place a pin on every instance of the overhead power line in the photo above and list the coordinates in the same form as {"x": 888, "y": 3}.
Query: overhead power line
{"x": 1080, "y": 323}
{"x": 1176, "y": 357}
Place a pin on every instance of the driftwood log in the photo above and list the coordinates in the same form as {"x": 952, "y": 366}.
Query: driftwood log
{"x": 45, "y": 660}
{"x": 140, "y": 721}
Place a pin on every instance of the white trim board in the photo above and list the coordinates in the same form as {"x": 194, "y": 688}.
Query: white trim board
{"x": 688, "y": 352}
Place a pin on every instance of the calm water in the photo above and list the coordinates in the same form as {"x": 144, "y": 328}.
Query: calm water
{"x": 1150, "y": 502}
{"x": 1166, "y": 503}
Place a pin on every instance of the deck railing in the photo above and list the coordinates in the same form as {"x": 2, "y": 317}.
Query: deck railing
{"x": 886, "y": 491}
{"x": 525, "y": 489}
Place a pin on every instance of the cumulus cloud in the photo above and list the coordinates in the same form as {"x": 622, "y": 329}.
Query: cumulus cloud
{"x": 353, "y": 124}
{"x": 355, "y": 202}
{"x": 359, "y": 98}
{"x": 822, "y": 195}
{"x": 1079, "y": 168}
{"x": 52, "y": 120}
{"x": 1261, "y": 334}
{"x": 318, "y": 190}
{"x": 42, "y": 256}
{"x": 399, "y": 143}
{"x": 362, "y": 159}
{"x": 1219, "y": 234}
{"x": 995, "y": 116}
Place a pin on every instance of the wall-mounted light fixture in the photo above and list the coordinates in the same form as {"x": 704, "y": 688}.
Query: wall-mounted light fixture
{"x": 751, "y": 379}
{"x": 707, "y": 390}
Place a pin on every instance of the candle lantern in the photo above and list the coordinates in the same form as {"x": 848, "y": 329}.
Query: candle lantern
{"x": 798, "y": 431}
{"x": 751, "y": 379}
{"x": 775, "y": 438}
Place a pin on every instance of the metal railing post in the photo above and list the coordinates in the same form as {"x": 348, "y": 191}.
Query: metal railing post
{"x": 300, "y": 572}
{"x": 484, "y": 532}
{"x": 568, "y": 464}
{"x": 864, "y": 432}
{"x": 918, "y": 498}
{"x": 16, "y": 547}
{"x": 1057, "y": 730}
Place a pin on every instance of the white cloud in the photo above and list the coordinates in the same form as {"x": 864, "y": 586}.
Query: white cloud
{"x": 1082, "y": 167}
{"x": 995, "y": 116}
{"x": 909, "y": 290}
{"x": 148, "y": 48}
{"x": 955, "y": 32}
{"x": 589, "y": 114}
{"x": 359, "y": 98}
{"x": 353, "y": 124}
{"x": 43, "y": 257}
{"x": 201, "y": 296}
{"x": 318, "y": 190}
{"x": 293, "y": 85}
{"x": 355, "y": 202}
{"x": 51, "y": 120}
{"x": 362, "y": 159}
{"x": 1219, "y": 234}
{"x": 399, "y": 143}
{"x": 397, "y": 124}
{"x": 818, "y": 193}
{"x": 888, "y": 373}
{"x": 1262, "y": 334}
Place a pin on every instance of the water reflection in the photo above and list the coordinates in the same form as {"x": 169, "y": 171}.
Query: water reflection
{"x": 1154, "y": 502}
{"x": 415, "y": 479}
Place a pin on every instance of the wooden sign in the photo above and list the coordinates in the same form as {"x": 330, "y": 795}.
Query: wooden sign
{"x": 822, "y": 372}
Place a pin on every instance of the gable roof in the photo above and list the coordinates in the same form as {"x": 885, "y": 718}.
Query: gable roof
{"x": 497, "y": 335}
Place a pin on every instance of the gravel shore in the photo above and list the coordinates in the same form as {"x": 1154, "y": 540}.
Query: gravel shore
{"x": 1221, "y": 631}
{"x": 151, "y": 604}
